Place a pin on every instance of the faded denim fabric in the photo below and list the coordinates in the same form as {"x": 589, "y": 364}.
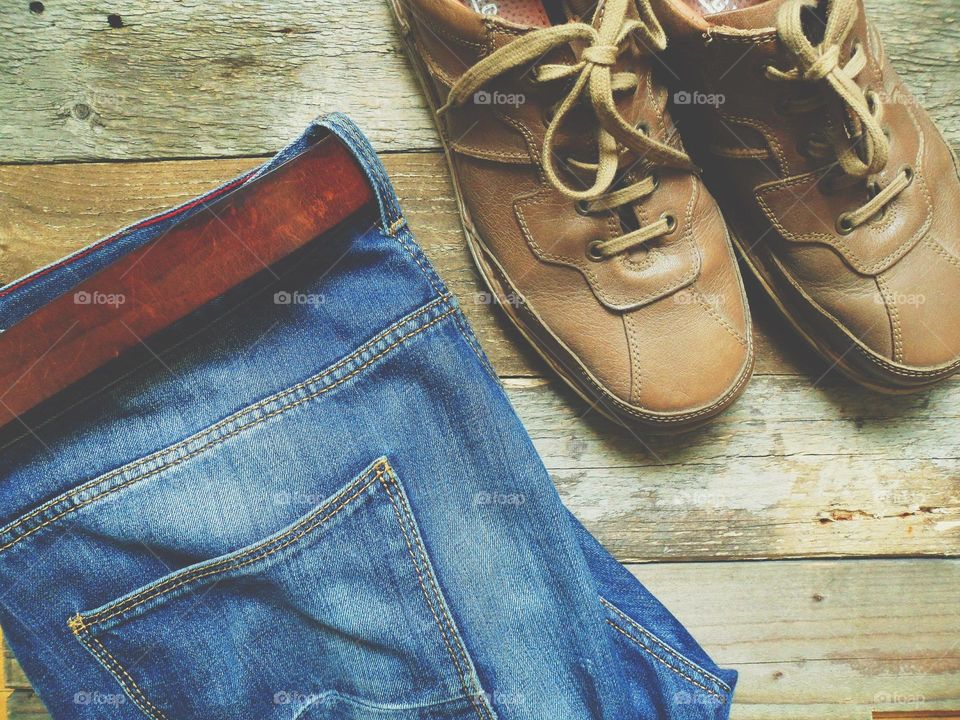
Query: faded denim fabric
{"x": 324, "y": 509}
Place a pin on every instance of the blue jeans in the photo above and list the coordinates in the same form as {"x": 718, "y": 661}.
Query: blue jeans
{"x": 321, "y": 509}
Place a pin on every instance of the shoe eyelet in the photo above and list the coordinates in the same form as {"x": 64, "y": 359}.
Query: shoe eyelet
{"x": 582, "y": 208}
{"x": 655, "y": 177}
{"x": 671, "y": 222}
{"x": 873, "y": 100}
{"x": 593, "y": 251}
{"x": 845, "y": 225}
{"x": 643, "y": 128}
{"x": 909, "y": 173}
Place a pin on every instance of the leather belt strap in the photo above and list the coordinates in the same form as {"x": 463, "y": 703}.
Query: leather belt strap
{"x": 233, "y": 238}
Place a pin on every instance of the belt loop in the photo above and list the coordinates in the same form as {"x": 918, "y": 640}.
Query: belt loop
{"x": 391, "y": 215}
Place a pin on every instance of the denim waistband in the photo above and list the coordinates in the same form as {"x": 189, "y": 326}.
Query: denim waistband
{"x": 24, "y": 296}
{"x": 368, "y": 274}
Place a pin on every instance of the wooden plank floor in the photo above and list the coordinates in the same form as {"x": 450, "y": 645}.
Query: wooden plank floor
{"x": 809, "y": 537}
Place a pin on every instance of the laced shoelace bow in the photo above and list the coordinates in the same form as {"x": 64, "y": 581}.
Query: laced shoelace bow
{"x": 596, "y": 79}
{"x": 864, "y": 152}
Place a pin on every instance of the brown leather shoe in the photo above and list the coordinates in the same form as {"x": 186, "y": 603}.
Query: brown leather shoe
{"x": 842, "y": 196}
{"x": 580, "y": 205}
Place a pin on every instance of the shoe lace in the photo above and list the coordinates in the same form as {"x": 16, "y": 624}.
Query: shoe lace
{"x": 853, "y": 133}
{"x": 594, "y": 78}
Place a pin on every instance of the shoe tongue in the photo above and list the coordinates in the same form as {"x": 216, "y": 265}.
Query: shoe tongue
{"x": 756, "y": 17}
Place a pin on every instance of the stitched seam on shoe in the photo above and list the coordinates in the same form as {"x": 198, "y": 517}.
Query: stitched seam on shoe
{"x": 115, "y": 668}
{"x": 476, "y": 151}
{"x": 884, "y": 365}
{"x": 826, "y": 238}
{"x": 537, "y": 198}
{"x": 893, "y": 314}
{"x": 468, "y": 686}
{"x": 636, "y": 377}
{"x": 768, "y": 135}
{"x": 646, "y": 633}
{"x": 621, "y": 406}
{"x": 533, "y": 151}
{"x": 595, "y": 284}
{"x": 217, "y": 439}
{"x": 901, "y": 250}
{"x": 941, "y": 251}
{"x": 652, "y": 654}
{"x": 715, "y": 314}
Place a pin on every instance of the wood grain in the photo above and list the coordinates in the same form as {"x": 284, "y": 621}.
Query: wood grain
{"x": 215, "y": 78}
{"x": 790, "y": 471}
{"x": 824, "y": 640}
{"x": 811, "y": 640}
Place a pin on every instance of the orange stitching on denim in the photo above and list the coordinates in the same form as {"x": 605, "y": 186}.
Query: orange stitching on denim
{"x": 213, "y": 428}
{"x": 222, "y": 438}
{"x": 397, "y": 225}
{"x": 658, "y": 641}
{"x": 643, "y": 647}
{"x": 115, "y": 669}
{"x": 481, "y": 711}
{"x": 436, "y": 592}
{"x": 312, "y": 521}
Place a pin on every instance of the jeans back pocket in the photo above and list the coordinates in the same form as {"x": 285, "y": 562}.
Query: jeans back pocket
{"x": 338, "y": 615}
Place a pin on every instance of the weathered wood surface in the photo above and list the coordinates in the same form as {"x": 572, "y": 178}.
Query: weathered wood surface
{"x": 793, "y": 470}
{"x": 800, "y": 468}
{"x": 824, "y": 640}
{"x": 215, "y": 78}
{"x": 812, "y": 640}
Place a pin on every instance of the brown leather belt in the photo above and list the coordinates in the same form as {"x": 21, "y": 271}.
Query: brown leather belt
{"x": 230, "y": 240}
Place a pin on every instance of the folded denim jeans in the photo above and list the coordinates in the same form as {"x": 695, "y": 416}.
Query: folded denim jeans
{"x": 322, "y": 507}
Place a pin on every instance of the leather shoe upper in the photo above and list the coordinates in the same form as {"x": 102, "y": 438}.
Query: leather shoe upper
{"x": 839, "y": 188}
{"x": 584, "y": 208}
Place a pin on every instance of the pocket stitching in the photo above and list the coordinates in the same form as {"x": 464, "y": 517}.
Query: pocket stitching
{"x": 694, "y": 668}
{"x": 217, "y": 439}
{"x": 252, "y": 555}
{"x": 118, "y": 671}
{"x": 481, "y": 710}
{"x": 643, "y": 647}
{"x": 80, "y": 625}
